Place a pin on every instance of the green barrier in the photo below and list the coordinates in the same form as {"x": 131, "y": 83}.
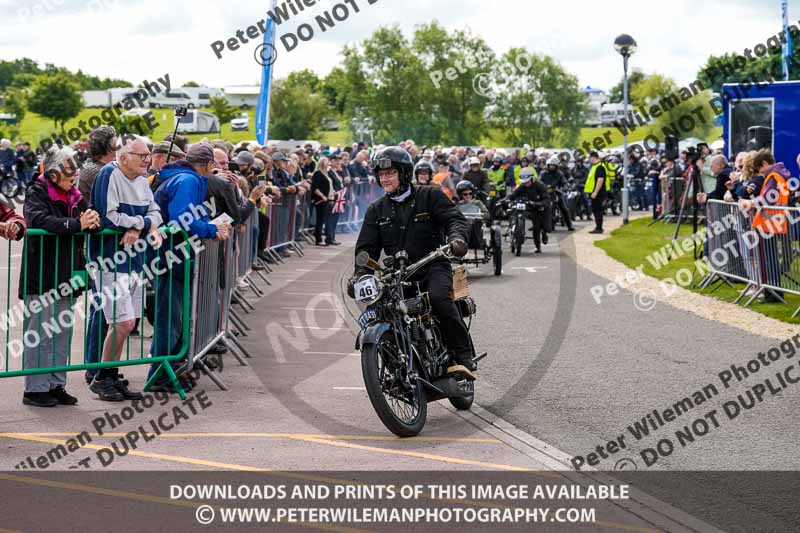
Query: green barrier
{"x": 80, "y": 279}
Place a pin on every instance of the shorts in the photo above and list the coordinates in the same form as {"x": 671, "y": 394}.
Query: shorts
{"x": 122, "y": 296}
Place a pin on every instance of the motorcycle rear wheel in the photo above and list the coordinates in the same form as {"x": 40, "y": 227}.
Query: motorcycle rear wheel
{"x": 403, "y": 412}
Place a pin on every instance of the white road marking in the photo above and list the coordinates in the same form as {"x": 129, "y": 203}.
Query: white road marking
{"x": 350, "y": 388}
{"x": 302, "y": 293}
{"x": 352, "y": 354}
{"x": 314, "y": 327}
{"x": 313, "y": 309}
{"x": 531, "y": 269}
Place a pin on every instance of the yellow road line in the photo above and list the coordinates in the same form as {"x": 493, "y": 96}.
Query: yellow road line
{"x": 278, "y": 436}
{"x": 428, "y": 456}
{"x": 228, "y": 466}
{"x": 139, "y": 497}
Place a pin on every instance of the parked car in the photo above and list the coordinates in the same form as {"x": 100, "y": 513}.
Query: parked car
{"x": 330, "y": 124}
{"x": 241, "y": 123}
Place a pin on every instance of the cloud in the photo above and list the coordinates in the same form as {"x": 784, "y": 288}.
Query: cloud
{"x": 142, "y": 39}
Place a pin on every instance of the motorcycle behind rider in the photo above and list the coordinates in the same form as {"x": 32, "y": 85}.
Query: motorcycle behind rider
{"x": 418, "y": 219}
{"x": 555, "y": 182}
{"x": 534, "y": 193}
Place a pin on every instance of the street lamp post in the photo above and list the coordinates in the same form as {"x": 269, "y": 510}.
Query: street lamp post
{"x": 626, "y": 47}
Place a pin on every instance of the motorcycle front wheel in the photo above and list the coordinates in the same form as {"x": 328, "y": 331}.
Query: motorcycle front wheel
{"x": 401, "y": 408}
{"x": 519, "y": 234}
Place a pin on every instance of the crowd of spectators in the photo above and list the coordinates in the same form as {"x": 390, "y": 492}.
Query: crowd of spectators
{"x": 133, "y": 185}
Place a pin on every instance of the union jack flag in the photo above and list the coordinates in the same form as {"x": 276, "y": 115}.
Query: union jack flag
{"x": 338, "y": 206}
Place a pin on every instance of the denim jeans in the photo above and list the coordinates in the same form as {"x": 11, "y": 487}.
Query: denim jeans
{"x": 96, "y": 330}
{"x": 168, "y": 329}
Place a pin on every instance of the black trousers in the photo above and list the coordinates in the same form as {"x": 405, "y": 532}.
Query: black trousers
{"x": 538, "y": 219}
{"x": 597, "y": 209}
{"x": 438, "y": 281}
{"x": 263, "y": 231}
{"x": 323, "y": 213}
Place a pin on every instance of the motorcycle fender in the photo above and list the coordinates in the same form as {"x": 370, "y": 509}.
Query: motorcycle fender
{"x": 371, "y": 334}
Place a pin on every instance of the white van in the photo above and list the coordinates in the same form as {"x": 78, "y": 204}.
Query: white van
{"x": 198, "y": 122}
{"x": 201, "y": 96}
{"x": 173, "y": 98}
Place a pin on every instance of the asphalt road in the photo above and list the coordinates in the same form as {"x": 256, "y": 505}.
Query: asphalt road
{"x": 564, "y": 375}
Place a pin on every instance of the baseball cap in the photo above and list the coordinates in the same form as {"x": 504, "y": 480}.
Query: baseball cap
{"x": 244, "y": 158}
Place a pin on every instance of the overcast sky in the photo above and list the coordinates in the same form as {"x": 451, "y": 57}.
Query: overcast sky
{"x": 143, "y": 39}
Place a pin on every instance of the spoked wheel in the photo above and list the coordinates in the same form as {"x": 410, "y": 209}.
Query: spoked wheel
{"x": 512, "y": 231}
{"x": 9, "y": 187}
{"x": 400, "y": 405}
{"x": 519, "y": 236}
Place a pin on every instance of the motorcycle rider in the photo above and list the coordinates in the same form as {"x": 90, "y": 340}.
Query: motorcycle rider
{"x": 423, "y": 172}
{"x": 534, "y": 193}
{"x": 554, "y": 180}
{"x": 613, "y": 169}
{"x": 476, "y": 175}
{"x": 524, "y": 162}
{"x": 416, "y": 219}
{"x": 465, "y": 191}
{"x": 497, "y": 176}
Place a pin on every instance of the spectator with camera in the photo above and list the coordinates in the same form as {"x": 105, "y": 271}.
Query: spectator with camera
{"x": 181, "y": 198}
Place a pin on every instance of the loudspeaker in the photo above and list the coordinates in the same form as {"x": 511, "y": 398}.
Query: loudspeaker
{"x": 671, "y": 147}
{"x": 759, "y": 137}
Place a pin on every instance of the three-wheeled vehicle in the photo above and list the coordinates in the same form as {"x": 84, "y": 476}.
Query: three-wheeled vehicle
{"x": 485, "y": 241}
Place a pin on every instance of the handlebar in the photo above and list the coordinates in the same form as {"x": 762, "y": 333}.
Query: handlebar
{"x": 444, "y": 251}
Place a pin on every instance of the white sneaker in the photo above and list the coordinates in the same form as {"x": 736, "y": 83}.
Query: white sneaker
{"x": 242, "y": 284}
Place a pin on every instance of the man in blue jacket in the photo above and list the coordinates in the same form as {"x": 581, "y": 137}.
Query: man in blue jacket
{"x": 181, "y": 197}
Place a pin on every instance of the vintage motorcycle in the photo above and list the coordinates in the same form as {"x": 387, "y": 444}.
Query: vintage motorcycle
{"x": 403, "y": 358}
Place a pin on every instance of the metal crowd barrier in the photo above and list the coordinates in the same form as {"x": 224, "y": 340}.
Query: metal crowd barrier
{"x": 722, "y": 264}
{"x": 283, "y": 226}
{"x": 41, "y": 329}
{"x": 214, "y": 283}
{"x": 358, "y": 196}
{"x": 765, "y": 261}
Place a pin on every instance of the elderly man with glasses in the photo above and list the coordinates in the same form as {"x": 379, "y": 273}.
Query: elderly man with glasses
{"x": 122, "y": 197}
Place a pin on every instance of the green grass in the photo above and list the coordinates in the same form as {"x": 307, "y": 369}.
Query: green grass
{"x": 499, "y": 137}
{"x": 33, "y": 128}
{"x": 633, "y": 243}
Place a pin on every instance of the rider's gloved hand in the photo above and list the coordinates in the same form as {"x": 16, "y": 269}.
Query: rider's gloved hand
{"x": 459, "y": 247}
{"x": 351, "y": 292}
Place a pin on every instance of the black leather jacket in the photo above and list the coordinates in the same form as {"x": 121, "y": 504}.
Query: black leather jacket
{"x": 419, "y": 224}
